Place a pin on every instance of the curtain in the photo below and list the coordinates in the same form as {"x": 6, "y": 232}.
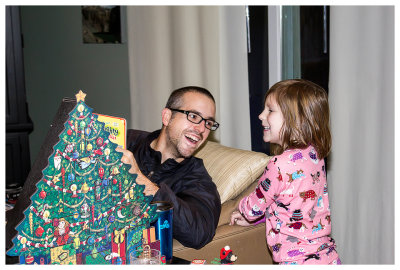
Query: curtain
{"x": 361, "y": 164}
{"x": 174, "y": 46}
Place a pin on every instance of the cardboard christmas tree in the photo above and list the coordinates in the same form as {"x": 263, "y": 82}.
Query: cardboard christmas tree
{"x": 87, "y": 207}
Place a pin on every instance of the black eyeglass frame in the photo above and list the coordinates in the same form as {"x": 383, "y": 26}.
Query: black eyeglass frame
{"x": 213, "y": 127}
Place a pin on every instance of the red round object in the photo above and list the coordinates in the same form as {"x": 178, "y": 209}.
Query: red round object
{"x": 99, "y": 141}
{"x": 115, "y": 181}
{"x": 69, "y": 132}
{"x": 29, "y": 259}
{"x": 39, "y": 231}
{"x": 42, "y": 194}
{"x": 101, "y": 172}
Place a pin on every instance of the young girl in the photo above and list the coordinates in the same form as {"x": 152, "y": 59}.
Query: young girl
{"x": 292, "y": 194}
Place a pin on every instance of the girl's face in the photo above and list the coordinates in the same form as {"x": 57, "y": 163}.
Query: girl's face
{"x": 272, "y": 121}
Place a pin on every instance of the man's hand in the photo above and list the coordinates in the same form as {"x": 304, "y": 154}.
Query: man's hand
{"x": 128, "y": 158}
{"x": 237, "y": 218}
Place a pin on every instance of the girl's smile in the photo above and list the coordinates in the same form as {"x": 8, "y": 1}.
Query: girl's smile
{"x": 272, "y": 121}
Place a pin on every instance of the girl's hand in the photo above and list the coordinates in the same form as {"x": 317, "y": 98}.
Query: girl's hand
{"x": 237, "y": 218}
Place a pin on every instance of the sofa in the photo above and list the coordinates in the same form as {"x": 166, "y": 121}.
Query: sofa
{"x": 235, "y": 173}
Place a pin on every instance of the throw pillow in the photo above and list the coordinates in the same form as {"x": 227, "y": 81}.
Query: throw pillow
{"x": 231, "y": 169}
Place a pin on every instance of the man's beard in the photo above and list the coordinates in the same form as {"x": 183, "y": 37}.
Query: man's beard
{"x": 174, "y": 145}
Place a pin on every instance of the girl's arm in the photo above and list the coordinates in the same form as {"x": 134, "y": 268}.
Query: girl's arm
{"x": 254, "y": 206}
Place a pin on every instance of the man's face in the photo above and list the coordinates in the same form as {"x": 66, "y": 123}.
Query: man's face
{"x": 183, "y": 136}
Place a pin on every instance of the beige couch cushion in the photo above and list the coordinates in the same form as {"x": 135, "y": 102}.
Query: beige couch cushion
{"x": 229, "y": 206}
{"x": 231, "y": 169}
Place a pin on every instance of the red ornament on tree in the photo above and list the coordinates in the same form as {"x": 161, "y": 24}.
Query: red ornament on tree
{"x": 29, "y": 259}
{"x": 115, "y": 181}
{"x": 101, "y": 172}
{"x": 42, "y": 194}
{"x": 39, "y": 231}
{"x": 99, "y": 141}
{"x": 69, "y": 132}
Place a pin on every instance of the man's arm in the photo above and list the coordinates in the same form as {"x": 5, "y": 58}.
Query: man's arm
{"x": 196, "y": 210}
{"x": 197, "y": 205}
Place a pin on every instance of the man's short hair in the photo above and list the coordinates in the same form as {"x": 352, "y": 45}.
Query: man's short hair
{"x": 175, "y": 99}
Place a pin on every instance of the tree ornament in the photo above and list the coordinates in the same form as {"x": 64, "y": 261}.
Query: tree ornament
{"x": 131, "y": 193}
{"x": 69, "y": 148}
{"x": 73, "y": 188}
{"x": 89, "y": 147}
{"x": 85, "y": 211}
{"x": 57, "y": 161}
{"x": 31, "y": 222}
{"x": 115, "y": 171}
{"x": 111, "y": 218}
{"x": 75, "y": 155}
{"x": 23, "y": 240}
{"x": 101, "y": 172}
{"x": 46, "y": 215}
{"x": 82, "y": 146}
{"x": 42, "y": 194}
{"x": 63, "y": 176}
{"x": 76, "y": 129}
{"x": 80, "y": 109}
{"x": 77, "y": 242}
{"x": 98, "y": 190}
{"x": 98, "y": 152}
{"x": 99, "y": 141}
{"x": 94, "y": 253}
{"x": 80, "y": 96}
{"x": 90, "y": 241}
{"x": 136, "y": 210}
{"x": 55, "y": 179}
{"x": 88, "y": 131}
{"x": 71, "y": 177}
{"x": 115, "y": 181}
{"x": 29, "y": 259}
{"x": 39, "y": 231}
{"x": 69, "y": 132}
{"x": 107, "y": 153}
{"x": 85, "y": 188}
{"x": 93, "y": 214}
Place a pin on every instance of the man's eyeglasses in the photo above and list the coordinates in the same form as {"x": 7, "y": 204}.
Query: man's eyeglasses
{"x": 196, "y": 119}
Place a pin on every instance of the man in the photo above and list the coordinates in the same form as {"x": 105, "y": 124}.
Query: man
{"x": 164, "y": 164}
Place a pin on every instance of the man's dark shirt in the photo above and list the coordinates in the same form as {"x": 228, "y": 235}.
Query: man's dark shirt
{"x": 188, "y": 186}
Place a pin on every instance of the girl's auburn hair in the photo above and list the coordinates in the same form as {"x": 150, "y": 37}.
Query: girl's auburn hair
{"x": 305, "y": 110}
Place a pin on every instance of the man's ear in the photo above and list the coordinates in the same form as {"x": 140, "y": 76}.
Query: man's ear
{"x": 166, "y": 115}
